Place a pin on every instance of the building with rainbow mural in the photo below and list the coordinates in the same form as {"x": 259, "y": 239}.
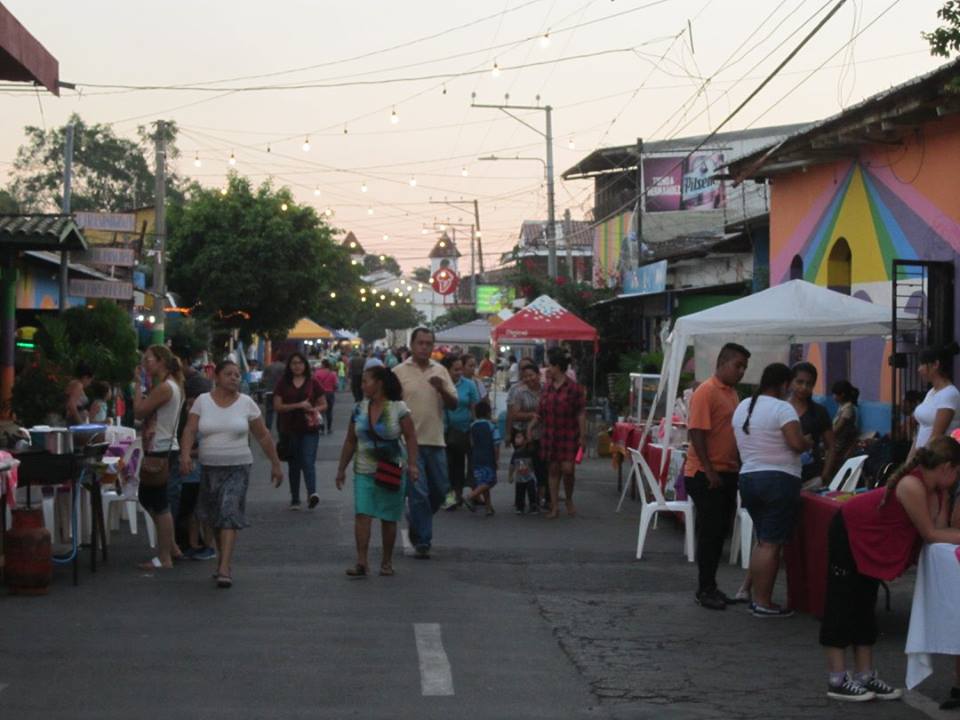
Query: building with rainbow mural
{"x": 866, "y": 202}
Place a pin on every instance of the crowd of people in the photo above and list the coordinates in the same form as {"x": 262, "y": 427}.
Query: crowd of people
{"x": 422, "y": 437}
{"x": 766, "y": 446}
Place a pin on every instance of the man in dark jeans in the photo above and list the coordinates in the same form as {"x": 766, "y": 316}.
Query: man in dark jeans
{"x": 710, "y": 473}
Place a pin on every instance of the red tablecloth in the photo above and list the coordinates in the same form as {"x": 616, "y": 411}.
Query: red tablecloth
{"x": 626, "y": 435}
{"x": 805, "y": 556}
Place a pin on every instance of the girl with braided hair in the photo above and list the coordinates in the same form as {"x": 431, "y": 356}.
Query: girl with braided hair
{"x": 876, "y": 536}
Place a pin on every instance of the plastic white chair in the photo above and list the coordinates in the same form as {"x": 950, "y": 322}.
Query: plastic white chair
{"x": 741, "y": 540}
{"x": 659, "y": 504}
{"x": 114, "y": 502}
{"x": 848, "y": 476}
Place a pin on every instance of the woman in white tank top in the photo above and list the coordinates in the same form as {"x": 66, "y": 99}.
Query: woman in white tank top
{"x": 159, "y": 412}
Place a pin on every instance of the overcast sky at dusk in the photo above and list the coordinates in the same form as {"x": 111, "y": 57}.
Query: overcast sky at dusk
{"x": 641, "y": 79}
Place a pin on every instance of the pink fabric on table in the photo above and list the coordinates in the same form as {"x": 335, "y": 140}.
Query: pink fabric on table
{"x": 9, "y": 478}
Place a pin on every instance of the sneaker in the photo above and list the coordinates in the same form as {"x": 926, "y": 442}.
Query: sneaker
{"x": 204, "y": 553}
{"x": 422, "y": 552}
{"x": 770, "y": 612}
{"x": 313, "y": 501}
{"x": 881, "y": 690}
{"x": 711, "y": 600}
{"x": 518, "y": 511}
{"x": 742, "y": 597}
{"x": 295, "y": 506}
{"x": 850, "y": 691}
{"x": 449, "y": 502}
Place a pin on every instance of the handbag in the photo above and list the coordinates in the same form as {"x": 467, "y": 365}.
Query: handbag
{"x": 155, "y": 470}
{"x": 388, "y": 475}
{"x": 283, "y": 447}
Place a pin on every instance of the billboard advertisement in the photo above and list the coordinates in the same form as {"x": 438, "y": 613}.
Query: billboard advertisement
{"x": 646, "y": 279}
{"x": 683, "y": 183}
{"x": 491, "y": 299}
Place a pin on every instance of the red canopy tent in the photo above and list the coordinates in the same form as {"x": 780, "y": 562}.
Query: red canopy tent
{"x": 545, "y": 319}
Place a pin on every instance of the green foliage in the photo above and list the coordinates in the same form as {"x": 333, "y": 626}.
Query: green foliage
{"x": 375, "y": 324}
{"x": 8, "y": 204}
{"x": 110, "y": 173}
{"x": 421, "y": 274}
{"x": 189, "y": 336}
{"x": 40, "y": 389}
{"x": 372, "y": 263}
{"x": 946, "y": 39}
{"x": 243, "y": 260}
{"x": 101, "y": 336}
{"x": 456, "y": 315}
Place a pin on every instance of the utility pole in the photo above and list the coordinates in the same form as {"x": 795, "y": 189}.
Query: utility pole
{"x": 548, "y": 136}
{"x": 65, "y": 208}
{"x": 475, "y": 233}
{"x": 567, "y": 224}
{"x": 476, "y": 223}
{"x": 160, "y": 232}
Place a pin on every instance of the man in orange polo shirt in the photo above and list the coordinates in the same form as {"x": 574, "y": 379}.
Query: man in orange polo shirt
{"x": 710, "y": 473}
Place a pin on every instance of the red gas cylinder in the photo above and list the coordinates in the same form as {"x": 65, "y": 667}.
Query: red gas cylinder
{"x": 29, "y": 563}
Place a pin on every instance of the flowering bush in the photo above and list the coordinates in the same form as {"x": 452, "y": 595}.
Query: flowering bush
{"x": 39, "y": 391}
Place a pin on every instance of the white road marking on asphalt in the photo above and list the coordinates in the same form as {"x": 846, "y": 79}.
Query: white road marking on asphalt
{"x": 436, "y": 678}
{"x": 928, "y": 707}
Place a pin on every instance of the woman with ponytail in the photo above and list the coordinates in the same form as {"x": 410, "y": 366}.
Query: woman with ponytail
{"x": 770, "y": 442}
{"x": 876, "y": 536}
{"x": 378, "y": 425}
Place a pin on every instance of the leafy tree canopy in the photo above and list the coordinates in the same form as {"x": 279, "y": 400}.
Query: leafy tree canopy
{"x": 110, "y": 173}
{"x": 372, "y": 263}
{"x": 946, "y": 38}
{"x": 244, "y": 260}
{"x": 421, "y": 274}
{"x": 456, "y": 315}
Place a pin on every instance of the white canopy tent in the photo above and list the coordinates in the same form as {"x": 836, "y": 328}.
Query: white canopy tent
{"x": 475, "y": 332}
{"x": 767, "y": 324}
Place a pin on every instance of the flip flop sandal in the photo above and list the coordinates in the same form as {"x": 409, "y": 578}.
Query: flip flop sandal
{"x": 224, "y": 582}
{"x": 357, "y": 571}
{"x": 386, "y": 570}
{"x": 152, "y": 564}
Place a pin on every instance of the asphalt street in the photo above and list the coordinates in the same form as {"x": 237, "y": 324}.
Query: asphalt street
{"x": 513, "y": 617}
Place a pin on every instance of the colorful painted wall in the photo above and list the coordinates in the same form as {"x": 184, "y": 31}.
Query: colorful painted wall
{"x": 607, "y": 243}
{"x": 891, "y": 202}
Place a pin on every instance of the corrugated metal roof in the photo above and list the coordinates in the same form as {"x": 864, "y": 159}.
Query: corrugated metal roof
{"x": 41, "y": 232}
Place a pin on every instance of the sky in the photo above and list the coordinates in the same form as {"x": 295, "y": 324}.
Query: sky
{"x": 612, "y": 70}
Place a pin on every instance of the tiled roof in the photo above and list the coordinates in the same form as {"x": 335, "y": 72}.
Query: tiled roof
{"x": 353, "y": 245}
{"x": 41, "y": 232}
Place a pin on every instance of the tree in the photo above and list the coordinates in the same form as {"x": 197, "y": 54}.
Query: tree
{"x": 372, "y": 263}
{"x": 8, "y": 203}
{"x": 946, "y": 39}
{"x": 421, "y": 274}
{"x": 110, "y": 173}
{"x": 257, "y": 261}
{"x": 400, "y": 317}
{"x": 456, "y": 315}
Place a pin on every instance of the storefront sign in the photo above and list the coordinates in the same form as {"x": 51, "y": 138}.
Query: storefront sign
{"x": 492, "y": 299}
{"x": 445, "y": 281}
{"x": 646, "y": 279}
{"x": 102, "y": 289}
{"x": 108, "y": 222}
{"x": 683, "y": 183}
{"x": 106, "y": 256}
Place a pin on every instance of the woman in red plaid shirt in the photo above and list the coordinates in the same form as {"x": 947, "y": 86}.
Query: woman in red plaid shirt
{"x": 562, "y": 417}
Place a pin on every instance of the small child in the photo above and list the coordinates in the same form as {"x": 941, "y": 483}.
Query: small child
{"x": 100, "y": 404}
{"x": 485, "y": 453}
{"x": 521, "y": 473}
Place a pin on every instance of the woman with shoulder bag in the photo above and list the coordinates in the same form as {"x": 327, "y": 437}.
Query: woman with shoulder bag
{"x": 299, "y": 402}
{"x": 160, "y": 413}
{"x": 374, "y": 442}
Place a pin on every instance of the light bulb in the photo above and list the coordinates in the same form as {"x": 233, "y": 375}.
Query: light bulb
{"x": 419, "y": 288}
{"x": 545, "y": 40}
{"x": 283, "y": 206}
{"x": 353, "y": 262}
{"x": 196, "y": 160}
{"x": 464, "y": 171}
{"x": 223, "y": 190}
{"x": 363, "y": 291}
{"x": 413, "y": 182}
{"x": 376, "y": 304}
{"x": 571, "y": 144}
{"x": 496, "y": 69}
{"x": 424, "y": 231}
{"x": 316, "y": 191}
{"x": 333, "y": 294}
{"x": 152, "y": 319}
{"x": 363, "y": 187}
{"x": 443, "y": 244}
{"x": 441, "y": 227}
{"x": 328, "y": 212}
{"x": 409, "y": 301}
{"x": 369, "y": 211}
{"x": 306, "y": 144}
{"x": 268, "y": 147}
{"x": 385, "y": 238}
{"x": 233, "y": 159}
{"x": 363, "y": 298}
{"x": 394, "y": 118}
{"x": 393, "y": 303}
{"x": 479, "y": 234}
{"x": 383, "y": 297}
{"x": 444, "y": 88}
{"x": 140, "y": 318}
{"x": 352, "y": 244}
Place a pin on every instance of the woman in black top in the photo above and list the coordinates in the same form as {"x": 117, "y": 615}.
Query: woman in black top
{"x": 814, "y": 421}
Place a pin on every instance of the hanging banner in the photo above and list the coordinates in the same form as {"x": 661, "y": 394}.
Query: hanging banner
{"x": 105, "y": 257}
{"x": 646, "y": 279}
{"x": 681, "y": 183}
{"x": 110, "y": 222}
{"x": 101, "y": 289}
{"x": 445, "y": 281}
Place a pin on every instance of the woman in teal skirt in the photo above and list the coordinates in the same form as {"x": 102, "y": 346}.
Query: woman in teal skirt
{"x": 379, "y": 429}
